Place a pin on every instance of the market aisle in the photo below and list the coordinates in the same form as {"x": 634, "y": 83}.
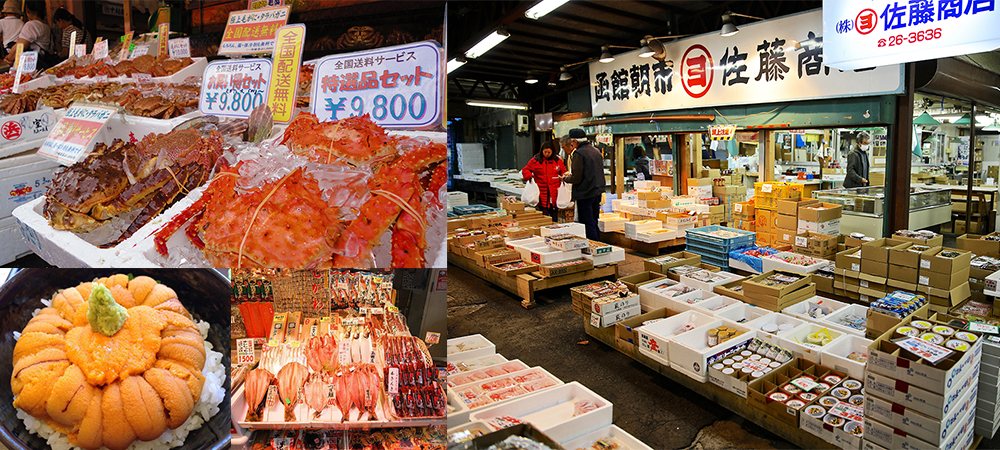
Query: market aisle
{"x": 648, "y": 405}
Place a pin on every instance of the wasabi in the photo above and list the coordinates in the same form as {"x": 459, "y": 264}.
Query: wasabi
{"x": 104, "y": 314}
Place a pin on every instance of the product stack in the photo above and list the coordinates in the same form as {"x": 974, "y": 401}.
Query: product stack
{"x": 744, "y": 216}
{"x": 944, "y": 277}
{"x": 786, "y": 220}
{"x": 776, "y": 289}
{"x": 988, "y": 406}
{"x": 729, "y": 196}
{"x": 766, "y": 197}
{"x": 822, "y": 218}
{"x": 875, "y": 268}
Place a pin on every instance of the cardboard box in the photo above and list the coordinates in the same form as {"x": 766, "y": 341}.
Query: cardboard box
{"x": 878, "y": 323}
{"x": 785, "y": 221}
{"x": 765, "y": 220}
{"x": 878, "y": 250}
{"x": 923, "y": 427}
{"x": 634, "y": 281}
{"x": 753, "y": 285}
{"x": 744, "y": 209}
{"x": 831, "y": 227}
{"x": 784, "y": 236}
{"x": 849, "y": 260}
{"x": 949, "y": 298}
{"x": 791, "y": 206}
{"x": 911, "y": 397}
{"x": 566, "y": 267}
{"x": 764, "y": 238}
{"x": 776, "y": 304}
{"x": 815, "y": 243}
{"x": 625, "y": 330}
{"x": 935, "y": 241}
{"x": 699, "y": 181}
{"x": 613, "y": 317}
{"x": 820, "y": 212}
{"x": 943, "y": 281}
{"x": 973, "y": 243}
{"x": 901, "y": 255}
{"x": 684, "y": 258}
{"x": 512, "y": 206}
{"x": 516, "y": 232}
{"x": 496, "y": 256}
{"x": 886, "y": 358}
{"x": 879, "y": 269}
{"x": 904, "y": 273}
{"x": 514, "y": 272}
{"x": 933, "y": 263}
{"x": 648, "y": 195}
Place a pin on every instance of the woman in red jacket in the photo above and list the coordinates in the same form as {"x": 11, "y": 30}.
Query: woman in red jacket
{"x": 546, "y": 169}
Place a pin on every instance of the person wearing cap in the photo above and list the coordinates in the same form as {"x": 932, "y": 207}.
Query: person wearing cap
{"x": 587, "y": 177}
{"x": 10, "y": 24}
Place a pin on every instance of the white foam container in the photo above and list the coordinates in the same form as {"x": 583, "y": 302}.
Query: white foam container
{"x": 660, "y": 333}
{"x": 724, "y": 278}
{"x": 477, "y": 363}
{"x": 835, "y": 354}
{"x": 195, "y": 69}
{"x": 14, "y": 245}
{"x": 680, "y": 302}
{"x": 624, "y": 440}
{"x": 852, "y": 309}
{"x": 552, "y": 411}
{"x": 741, "y": 311}
{"x": 649, "y": 298}
{"x": 567, "y": 228}
{"x": 31, "y": 136}
{"x": 690, "y": 353}
{"x": 483, "y": 347}
{"x": 777, "y": 319}
{"x": 715, "y": 305}
{"x": 794, "y": 340}
{"x": 801, "y": 309}
{"x": 772, "y": 262}
{"x": 617, "y": 255}
{"x": 455, "y": 380}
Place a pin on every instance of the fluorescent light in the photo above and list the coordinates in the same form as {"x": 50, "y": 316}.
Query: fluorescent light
{"x": 491, "y": 40}
{"x": 496, "y": 104}
{"x": 542, "y": 8}
{"x": 606, "y": 55}
{"x": 531, "y": 79}
{"x": 456, "y": 63}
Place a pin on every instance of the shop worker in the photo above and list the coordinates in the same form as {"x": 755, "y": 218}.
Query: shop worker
{"x": 587, "y": 177}
{"x": 857, "y": 162}
{"x": 641, "y": 163}
{"x": 546, "y": 169}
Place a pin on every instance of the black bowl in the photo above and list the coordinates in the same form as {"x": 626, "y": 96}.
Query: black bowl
{"x": 204, "y": 292}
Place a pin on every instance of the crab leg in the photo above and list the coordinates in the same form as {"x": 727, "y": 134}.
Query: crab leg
{"x": 192, "y": 174}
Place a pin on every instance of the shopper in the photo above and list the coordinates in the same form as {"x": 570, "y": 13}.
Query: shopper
{"x": 36, "y": 35}
{"x": 546, "y": 169}
{"x": 641, "y": 163}
{"x": 68, "y": 23}
{"x": 587, "y": 177}
{"x": 857, "y": 162}
{"x": 10, "y": 24}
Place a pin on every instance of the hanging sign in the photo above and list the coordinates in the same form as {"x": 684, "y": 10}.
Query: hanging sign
{"x": 233, "y": 88}
{"x": 162, "y": 39}
{"x": 71, "y": 137}
{"x": 180, "y": 47}
{"x": 399, "y": 87}
{"x": 257, "y": 4}
{"x": 285, "y": 73}
{"x": 722, "y": 132}
{"x": 604, "y": 138}
{"x": 766, "y": 62}
{"x": 868, "y": 33}
{"x": 252, "y": 31}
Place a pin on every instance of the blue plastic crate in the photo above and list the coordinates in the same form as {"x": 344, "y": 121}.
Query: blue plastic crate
{"x": 745, "y": 238}
{"x": 702, "y": 248}
{"x": 717, "y": 262}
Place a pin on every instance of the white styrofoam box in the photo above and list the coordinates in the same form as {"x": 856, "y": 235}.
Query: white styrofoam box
{"x": 617, "y": 254}
{"x": 991, "y": 282}
{"x": 699, "y": 208}
{"x": 801, "y": 309}
{"x": 830, "y": 228}
{"x": 706, "y": 280}
{"x": 475, "y": 363}
{"x": 27, "y": 131}
{"x": 524, "y": 241}
{"x": 849, "y": 310}
{"x": 631, "y": 228}
{"x": 795, "y": 341}
{"x": 624, "y": 440}
{"x": 474, "y": 428}
{"x": 929, "y": 403}
{"x": 928, "y": 429}
{"x": 610, "y": 318}
{"x": 654, "y": 339}
{"x": 458, "y": 411}
{"x": 607, "y": 225}
{"x": 773, "y": 262}
{"x": 552, "y": 411}
{"x": 548, "y": 255}
{"x": 567, "y": 244}
{"x": 527, "y": 248}
{"x": 691, "y": 355}
{"x": 700, "y": 191}
{"x": 742, "y": 313}
{"x": 23, "y": 178}
{"x": 654, "y": 236}
{"x": 779, "y": 320}
{"x": 621, "y": 304}
{"x": 13, "y": 245}
{"x": 482, "y": 374}
{"x": 470, "y": 347}
{"x": 561, "y": 228}
{"x": 835, "y": 355}
{"x": 649, "y": 296}
{"x": 941, "y": 378}
{"x": 737, "y": 264}
{"x": 646, "y": 184}
{"x": 715, "y": 305}
{"x": 457, "y": 198}
{"x": 685, "y": 302}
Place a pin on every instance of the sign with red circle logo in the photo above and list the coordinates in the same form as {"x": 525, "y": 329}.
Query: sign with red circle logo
{"x": 10, "y": 130}
{"x": 865, "y": 21}
{"x": 696, "y": 71}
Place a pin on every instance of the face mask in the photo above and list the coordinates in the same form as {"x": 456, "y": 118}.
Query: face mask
{"x": 865, "y": 147}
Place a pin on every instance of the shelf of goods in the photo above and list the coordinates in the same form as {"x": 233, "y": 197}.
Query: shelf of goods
{"x": 488, "y": 394}
{"x": 175, "y": 191}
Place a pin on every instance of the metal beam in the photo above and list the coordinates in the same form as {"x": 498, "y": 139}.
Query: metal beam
{"x": 562, "y": 30}
{"x": 604, "y": 9}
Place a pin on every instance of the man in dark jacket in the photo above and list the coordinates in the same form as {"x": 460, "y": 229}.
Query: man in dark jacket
{"x": 857, "y": 162}
{"x": 587, "y": 177}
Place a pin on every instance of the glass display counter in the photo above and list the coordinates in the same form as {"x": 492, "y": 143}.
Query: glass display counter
{"x": 863, "y": 207}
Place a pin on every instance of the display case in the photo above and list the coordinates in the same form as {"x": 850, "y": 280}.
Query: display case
{"x": 868, "y": 201}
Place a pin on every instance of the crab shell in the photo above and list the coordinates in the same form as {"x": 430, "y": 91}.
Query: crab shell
{"x": 357, "y": 140}
{"x": 77, "y": 190}
{"x": 360, "y": 36}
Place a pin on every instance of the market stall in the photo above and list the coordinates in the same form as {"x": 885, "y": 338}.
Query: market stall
{"x": 327, "y": 358}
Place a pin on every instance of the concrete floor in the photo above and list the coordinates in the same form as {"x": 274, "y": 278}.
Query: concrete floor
{"x": 651, "y": 407}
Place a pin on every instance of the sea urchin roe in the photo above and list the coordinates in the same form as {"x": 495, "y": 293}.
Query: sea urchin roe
{"x": 103, "y": 313}
{"x": 130, "y": 351}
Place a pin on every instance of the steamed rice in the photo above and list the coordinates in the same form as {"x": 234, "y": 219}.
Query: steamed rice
{"x": 212, "y": 395}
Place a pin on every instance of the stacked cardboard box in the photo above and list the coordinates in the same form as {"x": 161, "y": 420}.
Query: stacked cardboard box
{"x": 728, "y": 197}
{"x": 768, "y": 193}
{"x": 821, "y": 218}
{"x": 699, "y": 187}
{"x": 744, "y": 216}
{"x": 846, "y": 281}
{"x": 761, "y": 291}
{"x": 765, "y": 226}
{"x": 904, "y": 266}
{"x": 944, "y": 277}
{"x": 980, "y": 246}
{"x": 988, "y": 407}
{"x": 816, "y": 245}
{"x": 661, "y": 264}
{"x": 875, "y": 269}
{"x": 608, "y": 222}
{"x": 786, "y": 221}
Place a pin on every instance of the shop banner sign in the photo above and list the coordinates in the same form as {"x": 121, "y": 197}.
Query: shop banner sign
{"x": 722, "y": 132}
{"x": 257, "y": 4}
{"x": 252, "y": 31}
{"x": 70, "y": 138}
{"x": 398, "y": 87}
{"x": 233, "y": 88}
{"x": 287, "y": 61}
{"x": 772, "y": 61}
{"x": 869, "y": 33}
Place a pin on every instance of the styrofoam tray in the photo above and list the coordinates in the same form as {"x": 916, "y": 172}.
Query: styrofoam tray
{"x": 835, "y": 354}
{"x": 624, "y": 440}
{"x": 475, "y": 346}
{"x": 801, "y": 309}
{"x": 777, "y": 319}
{"x": 552, "y": 411}
{"x": 772, "y": 262}
{"x": 852, "y": 309}
{"x": 795, "y": 341}
{"x": 473, "y": 364}
{"x": 742, "y": 313}
{"x": 654, "y": 339}
{"x": 715, "y": 305}
{"x": 484, "y": 374}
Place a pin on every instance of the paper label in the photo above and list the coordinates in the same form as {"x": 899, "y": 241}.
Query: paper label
{"x": 855, "y": 267}
{"x": 180, "y": 47}
{"x": 72, "y": 39}
{"x": 331, "y": 394}
{"x": 863, "y": 283}
{"x": 738, "y": 207}
{"x": 983, "y": 328}
{"x": 126, "y": 45}
{"x": 233, "y": 88}
{"x": 929, "y": 352}
{"x": 393, "y": 308}
{"x": 392, "y": 380}
{"x": 766, "y": 188}
{"x": 386, "y": 285}
{"x": 101, "y": 50}
{"x": 80, "y": 50}
{"x": 71, "y": 137}
{"x": 801, "y": 241}
{"x": 142, "y": 78}
{"x": 288, "y": 42}
{"x": 805, "y": 384}
{"x": 272, "y": 395}
{"x": 162, "y": 36}
{"x": 344, "y": 348}
{"x": 252, "y": 31}
{"x": 432, "y": 338}
{"x": 924, "y": 280}
{"x": 26, "y": 63}
{"x": 925, "y": 264}
{"x": 244, "y": 351}
{"x": 848, "y": 411}
{"x": 138, "y": 51}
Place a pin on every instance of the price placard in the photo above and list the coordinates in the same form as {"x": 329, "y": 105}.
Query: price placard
{"x": 80, "y": 50}
{"x": 432, "y": 338}
{"x": 252, "y": 31}
{"x": 244, "y": 351}
{"x": 766, "y": 188}
{"x": 234, "y": 88}
{"x": 392, "y": 380}
{"x": 288, "y": 43}
{"x": 180, "y": 47}
{"x": 70, "y": 139}
{"x": 144, "y": 78}
{"x": 101, "y": 50}
{"x": 26, "y": 63}
{"x": 398, "y": 87}
{"x": 138, "y": 51}
{"x": 344, "y": 350}
{"x": 72, "y": 40}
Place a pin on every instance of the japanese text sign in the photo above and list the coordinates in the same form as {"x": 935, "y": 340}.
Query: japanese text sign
{"x": 27, "y": 62}
{"x": 722, "y": 132}
{"x": 70, "y": 139}
{"x": 257, "y": 4}
{"x": 101, "y": 50}
{"x": 72, "y": 42}
{"x": 867, "y": 33}
{"x": 767, "y": 62}
{"x": 399, "y": 87}
{"x": 139, "y": 51}
{"x": 244, "y": 351}
{"x": 126, "y": 44}
{"x": 80, "y": 50}
{"x": 180, "y": 48}
{"x": 233, "y": 88}
{"x": 162, "y": 36}
{"x": 285, "y": 73}
{"x": 252, "y": 31}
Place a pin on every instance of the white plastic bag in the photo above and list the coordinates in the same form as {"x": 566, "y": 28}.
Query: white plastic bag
{"x": 530, "y": 194}
{"x": 564, "y": 196}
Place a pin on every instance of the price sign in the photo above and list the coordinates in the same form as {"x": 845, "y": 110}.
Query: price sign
{"x": 287, "y": 60}
{"x": 72, "y": 40}
{"x": 604, "y": 138}
{"x": 983, "y": 328}
{"x": 344, "y": 350}
{"x": 331, "y": 394}
{"x": 766, "y": 188}
{"x": 392, "y": 381}
{"x": 432, "y": 338}
{"x": 180, "y": 48}
{"x": 386, "y": 285}
{"x": 233, "y": 88}
{"x": 18, "y": 49}
{"x": 26, "y": 63}
{"x": 252, "y": 31}
{"x": 272, "y": 395}
{"x": 162, "y": 34}
{"x": 70, "y": 139}
{"x": 138, "y": 51}
{"x": 126, "y": 44}
{"x": 257, "y": 4}
{"x": 80, "y": 50}
{"x": 398, "y": 87}
{"x": 244, "y": 351}
{"x": 392, "y": 308}
{"x": 143, "y": 78}
{"x": 923, "y": 349}
{"x": 101, "y": 50}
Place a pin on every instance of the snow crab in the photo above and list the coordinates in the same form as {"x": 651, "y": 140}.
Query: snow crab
{"x": 353, "y": 183}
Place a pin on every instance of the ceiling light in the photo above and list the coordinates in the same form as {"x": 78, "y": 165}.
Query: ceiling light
{"x": 456, "y": 63}
{"x": 926, "y": 119}
{"x": 964, "y": 120}
{"x": 728, "y": 29}
{"x": 606, "y": 56}
{"x": 564, "y": 74}
{"x": 542, "y": 8}
{"x": 992, "y": 127}
{"x": 496, "y": 104}
{"x": 531, "y": 79}
{"x": 644, "y": 50}
{"x": 491, "y": 40}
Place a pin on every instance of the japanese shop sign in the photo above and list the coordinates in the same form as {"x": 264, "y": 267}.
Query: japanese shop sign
{"x": 867, "y": 33}
{"x": 233, "y": 88}
{"x": 252, "y": 31}
{"x": 400, "y": 86}
{"x": 285, "y": 73}
{"x": 257, "y": 4}
{"x": 180, "y": 47}
{"x": 70, "y": 138}
{"x": 722, "y": 132}
{"x": 767, "y": 62}
{"x": 126, "y": 45}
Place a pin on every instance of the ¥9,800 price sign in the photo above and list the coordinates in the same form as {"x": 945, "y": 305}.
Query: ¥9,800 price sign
{"x": 234, "y": 88}
{"x": 399, "y": 87}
